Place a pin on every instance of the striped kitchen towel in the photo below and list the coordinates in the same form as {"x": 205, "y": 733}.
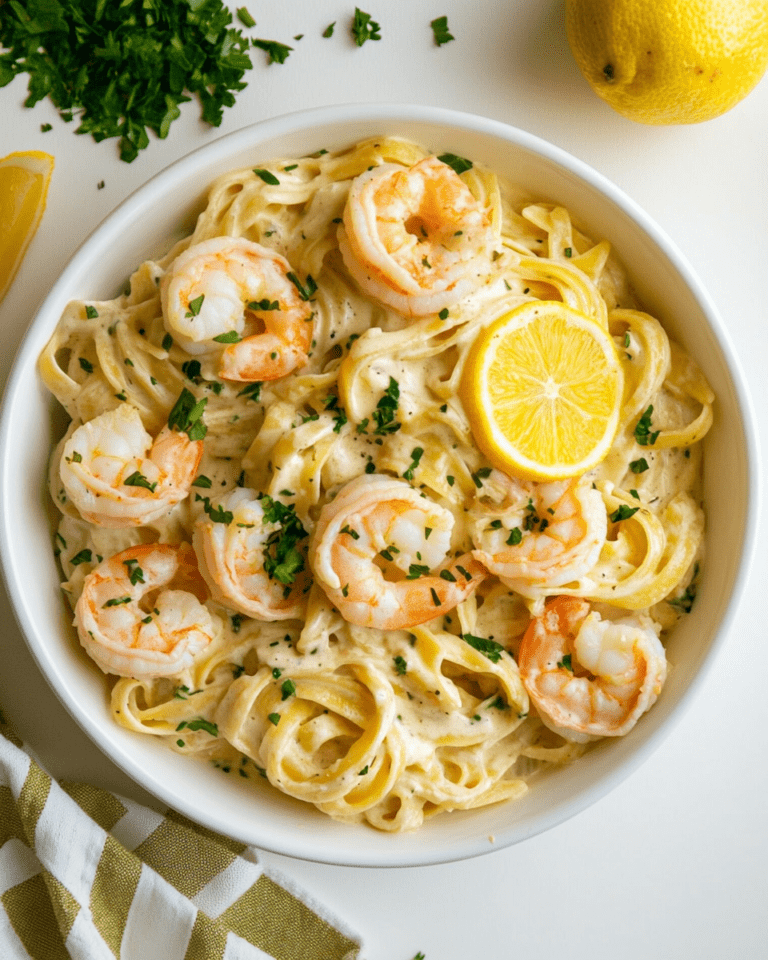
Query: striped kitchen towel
{"x": 86, "y": 875}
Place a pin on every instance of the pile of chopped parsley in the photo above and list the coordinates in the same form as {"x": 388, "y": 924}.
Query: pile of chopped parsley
{"x": 124, "y": 66}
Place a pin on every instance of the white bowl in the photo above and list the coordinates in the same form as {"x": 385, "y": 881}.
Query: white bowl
{"x": 165, "y": 209}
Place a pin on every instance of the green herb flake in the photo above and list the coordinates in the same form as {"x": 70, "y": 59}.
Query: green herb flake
{"x": 458, "y": 164}
{"x": 489, "y": 648}
{"x": 276, "y": 52}
{"x": 283, "y": 556}
{"x": 643, "y": 433}
{"x": 363, "y": 28}
{"x": 440, "y": 31}
{"x": 231, "y": 336}
{"x": 201, "y": 724}
{"x": 267, "y": 177}
{"x": 416, "y": 454}
{"x": 85, "y": 365}
{"x": 83, "y": 556}
{"x": 565, "y": 663}
{"x": 274, "y": 718}
{"x": 287, "y": 689}
{"x": 245, "y": 18}
{"x": 137, "y": 479}
{"x": 186, "y": 415}
{"x": 639, "y": 466}
{"x": 305, "y": 292}
{"x": 623, "y": 512}
{"x": 91, "y": 312}
{"x": 125, "y": 66}
{"x": 401, "y": 666}
{"x": 386, "y": 408}
{"x": 328, "y": 32}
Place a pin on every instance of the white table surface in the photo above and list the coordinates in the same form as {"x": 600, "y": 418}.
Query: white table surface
{"x": 673, "y": 862}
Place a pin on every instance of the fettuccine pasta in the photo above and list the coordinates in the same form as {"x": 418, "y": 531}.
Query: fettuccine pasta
{"x": 279, "y": 536}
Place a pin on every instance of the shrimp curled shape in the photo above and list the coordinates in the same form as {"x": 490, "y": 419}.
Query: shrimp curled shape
{"x": 116, "y": 475}
{"x": 415, "y": 238}
{"x": 234, "y": 559}
{"x": 140, "y": 613}
{"x": 539, "y": 536}
{"x": 587, "y": 676}
{"x": 375, "y": 551}
{"x": 231, "y": 290}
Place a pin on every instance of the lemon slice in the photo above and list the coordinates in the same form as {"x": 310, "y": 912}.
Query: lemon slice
{"x": 24, "y": 179}
{"x": 542, "y": 389}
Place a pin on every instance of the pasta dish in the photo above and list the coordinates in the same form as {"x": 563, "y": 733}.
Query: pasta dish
{"x": 305, "y": 531}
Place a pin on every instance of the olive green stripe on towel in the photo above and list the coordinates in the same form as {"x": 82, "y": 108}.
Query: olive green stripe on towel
{"x": 32, "y": 800}
{"x": 65, "y": 907}
{"x": 11, "y": 826}
{"x": 114, "y": 885}
{"x": 100, "y": 805}
{"x": 33, "y": 920}
{"x": 188, "y": 859}
{"x": 208, "y": 940}
{"x": 281, "y": 925}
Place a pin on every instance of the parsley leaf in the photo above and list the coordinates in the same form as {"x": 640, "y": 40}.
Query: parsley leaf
{"x": 386, "y": 408}
{"x": 186, "y": 415}
{"x": 440, "y": 30}
{"x": 457, "y": 164}
{"x": 276, "y": 52}
{"x": 363, "y": 28}
{"x": 283, "y": 559}
{"x": 490, "y": 648}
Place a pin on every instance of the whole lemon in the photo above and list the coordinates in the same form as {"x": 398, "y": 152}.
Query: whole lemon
{"x": 670, "y": 61}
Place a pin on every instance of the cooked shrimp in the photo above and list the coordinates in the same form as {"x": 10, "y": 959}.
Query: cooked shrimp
{"x": 540, "y": 535}
{"x": 116, "y": 475}
{"x": 416, "y": 239}
{"x": 374, "y": 549}
{"x": 253, "y": 563}
{"x": 140, "y": 613}
{"x": 591, "y": 677}
{"x": 225, "y": 290}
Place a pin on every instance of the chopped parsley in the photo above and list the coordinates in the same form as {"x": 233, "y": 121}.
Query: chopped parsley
{"x": 272, "y": 180}
{"x": 276, "y": 52}
{"x": 245, "y": 18}
{"x": 83, "y": 556}
{"x": 643, "y": 433}
{"x": 363, "y": 28}
{"x": 306, "y": 293}
{"x": 186, "y": 415}
{"x": 124, "y": 66}
{"x": 328, "y": 32}
{"x": 401, "y": 666}
{"x": 458, "y": 164}
{"x": 386, "y": 408}
{"x": 86, "y": 365}
{"x": 231, "y": 336}
{"x": 639, "y": 466}
{"x": 623, "y": 513}
{"x": 201, "y": 724}
{"x": 440, "y": 31}
{"x": 287, "y": 689}
{"x": 416, "y": 454}
{"x": 490, "y": 648}
{"x": 283, "y": 559}
{"x": 137, "y": 479}
{"x": 565, "y": 663}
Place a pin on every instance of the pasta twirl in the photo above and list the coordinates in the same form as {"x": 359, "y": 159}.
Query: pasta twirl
{"x": 367, "y": 577}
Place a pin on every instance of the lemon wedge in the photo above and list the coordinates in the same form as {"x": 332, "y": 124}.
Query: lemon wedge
{"x": 24, "y": 179}
{"x": 542, "y": 388}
